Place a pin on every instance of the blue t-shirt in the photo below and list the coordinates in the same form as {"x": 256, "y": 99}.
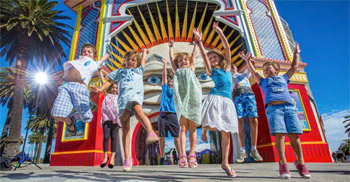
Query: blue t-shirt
{"x": 167, "y": 102}
{"x": 275, "y": 88}
{"x": 223, "y": 82}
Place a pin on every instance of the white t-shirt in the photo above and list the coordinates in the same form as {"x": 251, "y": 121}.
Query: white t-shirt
{"x": 85, "y": 65}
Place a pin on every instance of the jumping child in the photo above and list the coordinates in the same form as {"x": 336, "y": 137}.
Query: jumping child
{"x": 74, "y": 91}
{"x": 280, "y": 111}
{"x": 130, "y": 99}
{"x": 167, "y": 120}
{"x": 188, "y": 101}
{"x": 244, "y": 99}
{"x": 218, "y": 112}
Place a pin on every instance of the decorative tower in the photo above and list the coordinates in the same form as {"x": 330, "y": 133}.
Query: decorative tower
{"x": 116, "y": 26}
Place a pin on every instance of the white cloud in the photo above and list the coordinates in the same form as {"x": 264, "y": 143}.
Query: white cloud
{"x": 334, "y": 126}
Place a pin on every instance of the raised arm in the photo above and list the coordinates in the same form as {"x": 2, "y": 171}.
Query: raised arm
{"x": 193, "y": 56}
{"x": 296, "y": 61}
{"x": 171, "y": 55}
{"x": 104, "y": 58}
{"x": 251, "y": 68}
{"x": 224, "y": 41}
{"x": 144, "y": 56}
{"x": 164, "y": 74}
{"x": 101, "y": 76}
{"x": 207, "y": 65}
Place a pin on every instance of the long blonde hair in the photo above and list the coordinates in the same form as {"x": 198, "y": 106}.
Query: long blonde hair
{"x": 224, "y": 64}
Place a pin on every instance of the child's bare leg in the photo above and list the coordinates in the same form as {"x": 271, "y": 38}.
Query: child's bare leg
{"x": 241, "y": 131}
{"x": 296, "y": 145}
{"x": 66, "y": 120}
{"x": 183, "y": 130}
{"x": 146, "y": 123}
{"x": 177, "y": 144}
{"x": 125, "y": 122}
{"x": 162, "y": 146}
{"x": 105, "y": 157}
{"x": 112, "y": 158}
{"x": 193, "y": 139}
{"x": 253, "y": 130}
{"x": 280, "y": 147}
{"x": 225, "y": 145}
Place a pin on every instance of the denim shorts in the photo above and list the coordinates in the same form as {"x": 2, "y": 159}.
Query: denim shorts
{"x": 245, "y": 105}
{"x": 283, "y": 118}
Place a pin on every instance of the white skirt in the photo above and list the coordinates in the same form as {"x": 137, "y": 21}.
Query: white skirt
{"x": 219, "y": 112}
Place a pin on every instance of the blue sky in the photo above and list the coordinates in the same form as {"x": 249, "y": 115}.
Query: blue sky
{"x": 322, "y": 30}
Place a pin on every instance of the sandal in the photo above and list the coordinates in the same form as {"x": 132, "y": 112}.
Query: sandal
{"x": 183, "y": 162}
{"x": 229, "y": 172}
{"x": 127, "y": 166}
{"x": 73, "y": 121}
{"x": 151, "y": 138}
{"x": 192, "y": 161}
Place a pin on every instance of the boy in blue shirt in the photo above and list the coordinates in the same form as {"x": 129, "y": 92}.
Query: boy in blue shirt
{"x": 167, "y": 120}
{"x": 280, "y": 111}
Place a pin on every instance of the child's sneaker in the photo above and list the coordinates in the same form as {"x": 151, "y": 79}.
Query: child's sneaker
{"x": 127, "y": 166}
{"x": 303, "y": 172}
{"x": 255, "y": 155}
{"x": 151, "y": 138}
{"x": 241, "y": 157}
{"x": 284, "y": 171}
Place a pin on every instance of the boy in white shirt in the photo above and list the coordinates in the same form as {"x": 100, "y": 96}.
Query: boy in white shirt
{"x": 74, "y": 91}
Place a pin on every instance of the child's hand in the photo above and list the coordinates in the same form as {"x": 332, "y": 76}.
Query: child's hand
{"x": 245, "y": 56}
{"x": 145, "y": 51}
{"x": 164, "y": 61}
{"x": 296, "y": 50}
{"x": 197, "y": 33}
{"x": 93, "y": 88}
{"x": 171, "y": 43}
{"x": 216, "y": 27}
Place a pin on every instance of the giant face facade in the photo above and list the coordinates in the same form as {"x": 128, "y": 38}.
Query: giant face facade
{"x": 151, "y": 24}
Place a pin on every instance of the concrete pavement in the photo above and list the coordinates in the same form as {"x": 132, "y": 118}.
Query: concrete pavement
{"x": 205, "y": 172}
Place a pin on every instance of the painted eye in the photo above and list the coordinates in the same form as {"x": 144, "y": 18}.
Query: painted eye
{"x": 154, "y": 80}
{"x": 202, "y": 77}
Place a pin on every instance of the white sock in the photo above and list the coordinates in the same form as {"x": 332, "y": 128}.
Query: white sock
{"x": 253, "y": 147}
{"x": 242, "y": 149}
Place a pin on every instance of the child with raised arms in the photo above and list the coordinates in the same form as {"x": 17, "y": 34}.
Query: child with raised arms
{"x": 218, "y": 112}
{"x": 130, "y": 99}
{"x": 244, "y": 100}
{"x": 280, "y": 111}
{"x": 188, "y": 102}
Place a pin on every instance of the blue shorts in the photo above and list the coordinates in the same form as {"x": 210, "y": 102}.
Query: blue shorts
{"x": 245, "y": 105}
{"x": 167, "y": 121}
{"x": 70, "y": 95}
{"x": 283, "y": 118}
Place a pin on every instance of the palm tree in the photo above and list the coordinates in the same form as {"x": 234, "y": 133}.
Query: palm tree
{"x": 30, "y": 31}
{"x": 40, "y": 124}
{"x": 34, "y": 138}
{"x": 7, "y": 85}
{"x": 347, "y": 125}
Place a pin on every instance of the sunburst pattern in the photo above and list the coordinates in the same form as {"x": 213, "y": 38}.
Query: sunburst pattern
{"x": 158, "y": 22}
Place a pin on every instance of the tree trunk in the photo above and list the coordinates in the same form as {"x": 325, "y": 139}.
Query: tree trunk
{"x": 35, "y": 151}
{"x": 39, "y": 151}
{"x": 13, "y": 141}
{"x": 49, "y": 141}
{"x": 5, "y": 130}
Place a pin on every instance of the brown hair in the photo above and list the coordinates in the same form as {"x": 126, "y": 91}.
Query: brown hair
{"x": 132, "y": 54}
{"x": 88, "y": 45}
{"x": 224, "y": 64}
{"x": 273, "y": 64}
{"x": 182, "y": 54}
